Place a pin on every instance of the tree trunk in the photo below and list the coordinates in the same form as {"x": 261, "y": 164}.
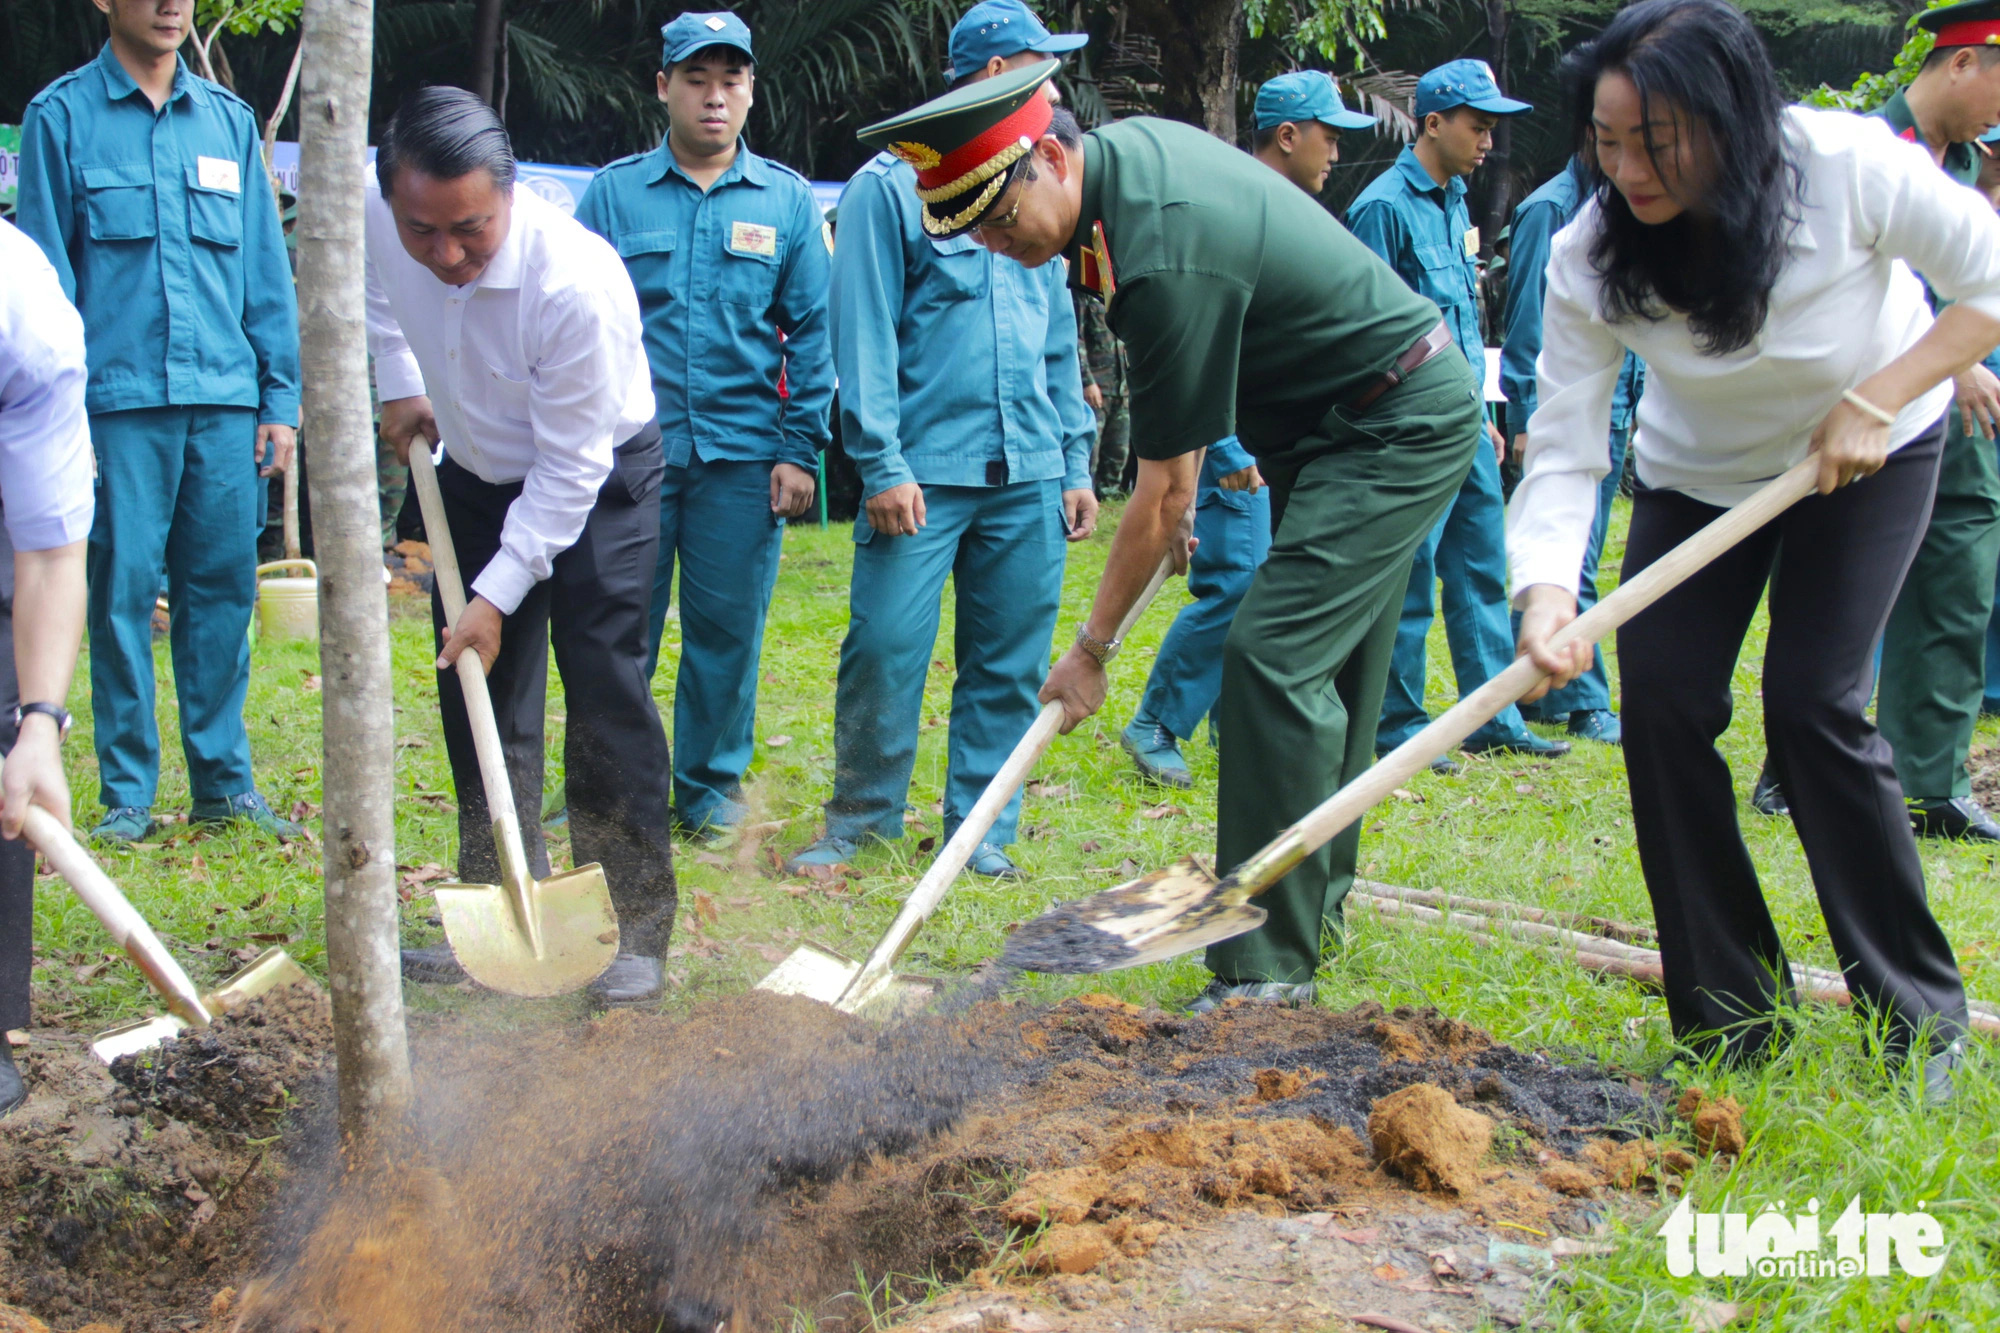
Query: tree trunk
{"x": 1199, "y": 41}
{"x": 1499, "y": 182}
{"x": 370, "y": 1042}
{"x": 487, "y": 17}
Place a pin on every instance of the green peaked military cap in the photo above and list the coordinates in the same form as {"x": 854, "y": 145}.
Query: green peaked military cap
{"x": 1969, "y": 23}
{"x": 967, "y": 144}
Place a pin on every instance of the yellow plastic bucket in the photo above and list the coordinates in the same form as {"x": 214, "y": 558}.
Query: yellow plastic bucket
{"x": 288, "y": 608}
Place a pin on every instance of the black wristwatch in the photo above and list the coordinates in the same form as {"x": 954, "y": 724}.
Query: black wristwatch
{"x": 55, "y": 711}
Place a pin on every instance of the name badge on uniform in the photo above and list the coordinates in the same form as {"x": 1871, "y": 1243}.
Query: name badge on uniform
{"x": 750, "y": 238}
{"x": 218, "y": 173}
{"x": 1472, "y": 242}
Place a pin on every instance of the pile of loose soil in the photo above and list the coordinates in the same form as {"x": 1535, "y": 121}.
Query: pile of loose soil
{"x": 131, "y": 1195}
{"x": 642, "y": 1172}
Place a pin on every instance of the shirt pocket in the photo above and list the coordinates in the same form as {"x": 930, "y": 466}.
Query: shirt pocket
{"x": 507, "y": 398}
{"x": 747, "y": 279}
{"x": 118, "y": 201}
{"x": 649, "y": 256}
{"x": 214, "y": 216}
{"x": 1447, "y": 277}
{"x": 958, "y": 271}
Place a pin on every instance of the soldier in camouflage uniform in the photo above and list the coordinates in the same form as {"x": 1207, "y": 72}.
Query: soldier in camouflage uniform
{"x": 1102, "y": 358}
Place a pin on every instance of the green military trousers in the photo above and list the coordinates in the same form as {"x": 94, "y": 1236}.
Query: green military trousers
{"x": 1934, "y": 649}
{"x": 1307, "y": 659}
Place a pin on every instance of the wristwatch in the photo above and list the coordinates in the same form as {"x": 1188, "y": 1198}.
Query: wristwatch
{"x": 1097, "y": 647}
{"x": 56, "y": 712}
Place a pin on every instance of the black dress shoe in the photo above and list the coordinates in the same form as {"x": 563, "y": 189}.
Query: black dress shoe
{"x": 433, "y": 966}
{"x": 1958, "y": 818}
{"x": 632, "y": 978}
{"x": 12, "y": 1090}
{"x": 1767, "y": 797}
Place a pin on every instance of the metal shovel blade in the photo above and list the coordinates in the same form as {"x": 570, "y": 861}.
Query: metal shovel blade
{"x": 1156, "y": 916}
{"x": 819, "y": 973}
{"x": 578, "y": 930}
{"x": 269, "y": 971}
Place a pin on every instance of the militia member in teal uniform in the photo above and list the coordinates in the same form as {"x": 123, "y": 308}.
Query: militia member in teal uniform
{"x": 727, "y": 251}
{"x": 1414, "y": 216}
{"x": 1300, "y": 119}
{"x": 962, "y": 407}
{"x": 145, "y": 186}
{"x": 1246, "y": 309}
{"x": 1585, "y": 703}
{"x": 1933, "y": 671}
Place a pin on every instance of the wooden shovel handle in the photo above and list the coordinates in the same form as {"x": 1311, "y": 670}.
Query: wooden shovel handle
{"x": 115, "y": 912}
{"x": 930, "y": 890}
{"x": 471, "y": 671}
{"x": 1476, "y": 709}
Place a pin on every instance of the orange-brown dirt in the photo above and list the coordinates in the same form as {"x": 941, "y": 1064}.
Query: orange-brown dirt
{"x": 656, "y": 1173}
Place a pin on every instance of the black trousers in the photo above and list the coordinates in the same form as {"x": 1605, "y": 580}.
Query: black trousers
{"x": 593, "y": 606}
{"x": 1834, "y": 565}
{"x": 17, "y": 859}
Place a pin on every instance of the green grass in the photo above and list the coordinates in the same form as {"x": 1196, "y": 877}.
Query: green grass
{"x": 1554, "y": 834}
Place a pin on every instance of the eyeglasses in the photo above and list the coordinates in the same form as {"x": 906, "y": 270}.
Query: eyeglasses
{"x": 1006, "y": 221}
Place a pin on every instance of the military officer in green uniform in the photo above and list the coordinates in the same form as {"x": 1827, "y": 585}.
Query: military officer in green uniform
{"x": 1933, "y": 671}
{"x": 1245, "y": 309}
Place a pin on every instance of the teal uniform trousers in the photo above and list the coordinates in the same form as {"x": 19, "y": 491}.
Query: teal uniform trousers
{"x": 177, "y": 487}
{"x": 716, "y": 517}
{"x": 1004, "y": 547}
{"x": 1234, "y": 531}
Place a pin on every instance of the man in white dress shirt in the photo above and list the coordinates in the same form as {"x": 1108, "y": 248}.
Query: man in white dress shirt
{"x": 46, "y": 494}
{"x": 505, "y": 329}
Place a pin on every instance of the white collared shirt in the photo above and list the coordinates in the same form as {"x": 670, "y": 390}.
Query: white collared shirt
{"x": 46, "y": 467}
{"x": 1716, "y": 427}
{"x": 535, "y": 371}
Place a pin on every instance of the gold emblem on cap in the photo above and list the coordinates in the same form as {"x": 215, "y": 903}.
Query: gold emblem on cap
{"x": 921, "y": 156}
{"x": 715, "y": 24}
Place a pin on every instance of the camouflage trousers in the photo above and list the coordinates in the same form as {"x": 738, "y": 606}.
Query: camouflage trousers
{"x": 1114, "y": 445}
{"x": 392, "y": 479}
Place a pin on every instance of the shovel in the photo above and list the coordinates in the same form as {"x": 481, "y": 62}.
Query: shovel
{"x": 1185, "y": 907}
{"x": 520, "y": 936}
{"x": 821, "y": 974}
{"x": 186, "y": 1007}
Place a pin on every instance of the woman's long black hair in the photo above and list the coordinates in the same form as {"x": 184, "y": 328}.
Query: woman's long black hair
{"x": 1702, "y": 63}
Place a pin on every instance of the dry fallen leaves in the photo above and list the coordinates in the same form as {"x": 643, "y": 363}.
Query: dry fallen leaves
{"x": 1161, "y": 811}
{"x": 778, "y": 742}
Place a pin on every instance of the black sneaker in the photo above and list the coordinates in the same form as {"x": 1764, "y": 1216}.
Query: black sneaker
{"x": 1958, "y": 818}
{"x": 1767, "y": 797}
{"x": 12, "y": 1090}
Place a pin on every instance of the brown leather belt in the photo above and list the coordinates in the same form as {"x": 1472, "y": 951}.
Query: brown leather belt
{"x": 1421, "y": 351}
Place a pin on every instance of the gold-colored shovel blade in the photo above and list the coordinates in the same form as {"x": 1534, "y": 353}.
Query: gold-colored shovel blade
{"x": 819, "y": 973}
{"x": 579, "y": 930}
{"x": 1144, "y": 920}
{"x": 268, "y": 971}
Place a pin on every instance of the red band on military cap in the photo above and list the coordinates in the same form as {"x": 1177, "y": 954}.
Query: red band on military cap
{"x": 1970, "y": 32}
{"x": 1030, "y": 121}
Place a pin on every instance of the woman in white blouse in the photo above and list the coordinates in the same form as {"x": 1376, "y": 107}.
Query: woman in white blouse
{"x": 1758, "y": 257}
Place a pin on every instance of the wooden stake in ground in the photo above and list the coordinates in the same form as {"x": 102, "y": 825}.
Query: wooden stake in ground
{"x": 370, "y": 1042}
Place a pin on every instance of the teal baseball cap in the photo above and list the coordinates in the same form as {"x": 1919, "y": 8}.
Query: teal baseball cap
{"x": 1004, "y": 28}
{"x": 694, "y": 32}
{"x": 1464, "y": 83}
{"x": 1306, "y": 94}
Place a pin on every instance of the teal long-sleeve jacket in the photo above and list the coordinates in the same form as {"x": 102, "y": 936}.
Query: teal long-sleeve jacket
{"x": 1536, "y": 221}
{"x": 1421, "y": 228}
{"x": 720, "y": 274}
{"x": 164, "y": 230}
{"x": 950, "y": 359}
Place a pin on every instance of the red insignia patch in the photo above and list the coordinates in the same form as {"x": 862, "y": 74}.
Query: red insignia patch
{"x": 1095, "y": 265}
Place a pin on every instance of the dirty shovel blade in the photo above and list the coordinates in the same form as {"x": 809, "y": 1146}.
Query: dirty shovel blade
{"x": 820, "y": 973}
{"x": 1144, "y": 920}
{"x": 271, "y": 970}
{"x": 579, "y": 932}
